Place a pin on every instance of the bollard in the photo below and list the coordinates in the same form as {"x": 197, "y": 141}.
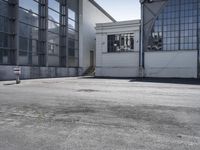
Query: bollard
{"x": 17, "y": 72}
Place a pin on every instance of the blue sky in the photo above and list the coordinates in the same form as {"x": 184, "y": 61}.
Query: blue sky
{"x": 121, "y": 9}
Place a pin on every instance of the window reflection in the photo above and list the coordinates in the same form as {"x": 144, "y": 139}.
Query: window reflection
{"x": 5, "y": 37}
{"x": 53, "y": 32}
{"x": 54, "y": 16}
{"x": 29, "y": 5}
{"x": 55, "y": 5}
{"x": 121, "y": 42}
{"x": 28, "y": 32}
{"x": 73, "y": 32}
{"x": 176, "y": 27}
{"x": 71, "y": 14}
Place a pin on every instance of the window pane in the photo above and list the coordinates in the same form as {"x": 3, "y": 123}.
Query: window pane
{"x": 54, "y": 16}
{"x": 121, "y": 42}
{"x": 54, "y": 4}
{"x": 4, "y": 8}
{"x": 71, "y": 14}
{"x": 177, "y": 23}
{"x": 28, "y": 17}
{"x": 53, "y": 27}
{"x": 30, "y": 5}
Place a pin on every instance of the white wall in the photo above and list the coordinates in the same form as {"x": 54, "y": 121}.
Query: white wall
{"x": 180, "y": 64}
{"x": 119, "y": 64}
{"x": 89, "y": 16}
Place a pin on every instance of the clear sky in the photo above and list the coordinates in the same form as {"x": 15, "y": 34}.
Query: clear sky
{"x": 121, "y": 9}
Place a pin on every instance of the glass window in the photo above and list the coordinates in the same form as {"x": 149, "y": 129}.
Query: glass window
{"x": 71, "y": 14}
{"x": 54, "y": 16}
{"x": 28, "y": 32}
{"x": 121, "y": 42}
{"x": 71, "y": 24}
{"x": 28, "y": 18}
{"x": 73, "y": 4}
{"x": 5, "y": 36}
{"x": 177, "y": 26}
{"x": 53, "y": 36}
{"x": 4, "y": 24}
{"x": 29, "y": 5}
{"x": 4, "y": 8}
{"x": 55, "y": 5}
{"x": 53, "y": 27}
{"x": 73, "y": 33}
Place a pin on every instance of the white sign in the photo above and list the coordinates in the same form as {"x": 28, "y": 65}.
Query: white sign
{"x": 17, "y": 70}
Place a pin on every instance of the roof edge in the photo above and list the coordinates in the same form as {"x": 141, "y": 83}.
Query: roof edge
{"x": 102, "y": 10}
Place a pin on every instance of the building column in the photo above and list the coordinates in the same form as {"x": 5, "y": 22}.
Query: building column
{"x": 63, "y": 34}
{"x": 43, "y": 31}
{"x": 14, "y": 22}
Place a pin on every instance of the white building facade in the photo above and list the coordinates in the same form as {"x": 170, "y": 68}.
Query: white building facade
{"x": 117, "y": 49}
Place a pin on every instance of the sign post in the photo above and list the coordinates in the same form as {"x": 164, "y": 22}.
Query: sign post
{"x": 17, "y": 72}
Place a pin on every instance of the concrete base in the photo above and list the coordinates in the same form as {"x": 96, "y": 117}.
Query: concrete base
{"x": 81, "y": 70}
{"x": 27, "y": 72}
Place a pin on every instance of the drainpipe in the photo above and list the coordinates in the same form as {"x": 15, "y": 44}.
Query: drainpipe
{"x": 198, "y": 46}
{"x": 141, "y": 54}
{"x": 198, "y": 63}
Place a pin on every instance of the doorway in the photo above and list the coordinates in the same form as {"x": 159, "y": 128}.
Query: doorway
{"x": 91, "y": 58}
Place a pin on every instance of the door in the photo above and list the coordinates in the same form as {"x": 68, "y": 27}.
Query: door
{"x": 92, "y": 58}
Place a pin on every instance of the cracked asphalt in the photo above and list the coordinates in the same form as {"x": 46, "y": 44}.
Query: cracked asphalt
{"x": 100, "y": 114}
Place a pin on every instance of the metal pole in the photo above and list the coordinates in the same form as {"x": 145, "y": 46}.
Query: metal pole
{"x": 17, "y": 79}
{"x": 198, "y": 46}
{"x": 141, "y": 54}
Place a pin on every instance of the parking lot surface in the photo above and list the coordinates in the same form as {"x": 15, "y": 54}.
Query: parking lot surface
{"x": 99, "y": 114}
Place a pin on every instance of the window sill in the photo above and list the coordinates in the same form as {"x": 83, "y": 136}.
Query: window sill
{"x": 120, "y": 52}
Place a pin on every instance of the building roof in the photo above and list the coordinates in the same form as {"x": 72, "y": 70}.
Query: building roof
{"x": 102, "y": 10}
{"x": 120, "y": 23}
{"x": 131, "y": 25}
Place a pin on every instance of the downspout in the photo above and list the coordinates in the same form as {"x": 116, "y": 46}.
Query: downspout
{"x": 141, "y": 54}
{"x": 198, "y": 46}
{"x": 198, "y": 63}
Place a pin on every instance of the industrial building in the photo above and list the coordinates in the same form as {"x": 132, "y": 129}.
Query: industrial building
{"x": 58, "y": 38}
{"x": 48, "y": 38}
{"x": 170, "y": 38}
{"x": 169, "y": 42}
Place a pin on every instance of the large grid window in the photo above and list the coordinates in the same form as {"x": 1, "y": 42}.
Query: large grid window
{"x": 73, "y": 32}
{"x": 5, "y": 33}
{"x": 28, "y": 32}
{"x": 176, "y": 27}
{"x": 53, "y": 32}
{"x": 48, "y": 32}
{"x": 121, "y": 42}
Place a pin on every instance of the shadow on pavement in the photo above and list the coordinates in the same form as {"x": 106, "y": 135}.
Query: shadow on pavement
{"x": 7, "y": 84}
{"x": 168, "y": 80}
{"x": 188, "y": 81}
